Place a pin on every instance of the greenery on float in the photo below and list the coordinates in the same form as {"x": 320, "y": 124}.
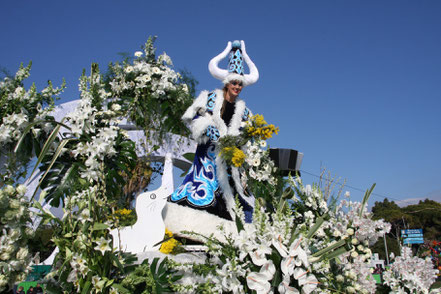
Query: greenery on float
{"x": 88, "y": 165}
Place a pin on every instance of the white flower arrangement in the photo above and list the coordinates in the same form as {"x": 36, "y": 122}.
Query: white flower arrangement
{"x": 258, "y": 164}
{"x": 285, "y": 251}
{"x": 20, "y": 108}
{"x": 410, "y": 274}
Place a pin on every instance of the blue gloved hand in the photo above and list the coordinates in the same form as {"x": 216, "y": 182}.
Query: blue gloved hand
{"x": 213, "y": 133}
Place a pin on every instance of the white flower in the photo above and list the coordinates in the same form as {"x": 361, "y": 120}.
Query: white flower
{"x": 103, "y": 245}
{"x": 116, "y": 107}
{"x": 22, "y": 253}
{"x": 340, "y": 278}
{"x": 262, "y": 143}
{"x": 350, "y": 231}
{"x": 156, "y": 70}
{"x": 258, "y": 282}
{"x": 138, "y": 54}
{"x": 129, "y": 69}
{"x": 308, "y": 282}
{"x": 21, "y": 189}
{"x": 285, "y": 288}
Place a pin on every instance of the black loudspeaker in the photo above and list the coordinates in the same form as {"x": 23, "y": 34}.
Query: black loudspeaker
{"x": 287, "y": 160}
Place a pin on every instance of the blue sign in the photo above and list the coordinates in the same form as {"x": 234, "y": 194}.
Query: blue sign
{"x": 411, "y": 231}
{"x": 412, "y": 236}
{"x": 413, "y": 241}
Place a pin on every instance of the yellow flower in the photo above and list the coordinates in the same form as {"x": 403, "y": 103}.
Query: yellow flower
{"x": 168, "y": 246}
{"x": 238, "y": 157}
{"x": 123, "y": 211}
{"x": 259, "y": 120}
{"x": 168, "y": 234}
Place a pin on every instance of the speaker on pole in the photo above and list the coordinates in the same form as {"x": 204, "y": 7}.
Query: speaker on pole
{"x": 287, "y": 160}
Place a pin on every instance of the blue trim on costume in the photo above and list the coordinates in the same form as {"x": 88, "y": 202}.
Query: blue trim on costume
{"x": 200, "y": 184}
{"x": 211, "y": 102}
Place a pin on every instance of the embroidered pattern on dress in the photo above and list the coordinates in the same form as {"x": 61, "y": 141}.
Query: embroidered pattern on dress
{"x": 200, "y": 184}
{"x": 211, "y": 102}
{"x": 246, "y": 114}
{"x": 213, "y": 133}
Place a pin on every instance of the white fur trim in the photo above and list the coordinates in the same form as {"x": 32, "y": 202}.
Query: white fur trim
{"x": 213, "y": 65}
{"x": 222, "y": 177}
{"x": 198, "y": 128}
{"x": 178, "y": 218}
{"x": 218, "y": 121}
{"x": 234, "y": 77}
{"x": 236, "y": 178}
{"x": 199, "y": 105}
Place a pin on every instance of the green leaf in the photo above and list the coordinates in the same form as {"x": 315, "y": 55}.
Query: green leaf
{"x": 329, "y": 248}
{"x": 315, "y": 228}
{"x": 86, "y": 288}
{"x": 54, "y": 158}
{"x": 154, "y": 264}
{"x": 189, "y": 156}
{"x": 365, "y": 199}
{"x": 337, "y": 253}
{"x": 99, "y": 226}
{"x": 239, "y": 224}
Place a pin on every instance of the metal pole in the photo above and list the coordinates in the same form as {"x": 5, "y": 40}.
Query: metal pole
{"x": 385, "y": 248}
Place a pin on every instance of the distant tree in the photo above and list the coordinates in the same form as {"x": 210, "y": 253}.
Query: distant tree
{"x": 424, "y": 215}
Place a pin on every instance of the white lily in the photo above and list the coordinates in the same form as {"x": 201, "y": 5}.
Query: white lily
{"x": 297, "y": 251}
{"x": 258, "y": 282}
{"x": 277, "y": 243}
{"x": 285, "y": 288}
{"x": 308, "y": 282}
{"x": 259, "y": 255}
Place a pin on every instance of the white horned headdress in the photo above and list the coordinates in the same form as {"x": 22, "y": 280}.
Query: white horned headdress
{"x": 235, "y": 65}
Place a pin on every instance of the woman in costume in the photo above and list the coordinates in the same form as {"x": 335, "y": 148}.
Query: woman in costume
{"x": 211, "y": 184}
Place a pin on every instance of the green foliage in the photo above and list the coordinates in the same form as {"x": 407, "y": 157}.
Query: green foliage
{"x": 149, "y": 278}
{"x": 424, "y": 215}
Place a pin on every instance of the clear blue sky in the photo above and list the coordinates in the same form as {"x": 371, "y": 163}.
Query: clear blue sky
{"x": 354, "y": 85}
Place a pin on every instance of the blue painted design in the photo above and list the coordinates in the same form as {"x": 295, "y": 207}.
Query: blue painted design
{"x": 213, "y": 133}
{"x": 236, "y": 62}
{"x": 200, "y": 184}
{"x": 246, "y": 114}
{"x": 211, "y": 102}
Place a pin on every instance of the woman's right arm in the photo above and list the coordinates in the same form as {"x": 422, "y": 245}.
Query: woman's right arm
{"x": 199, "y": 121}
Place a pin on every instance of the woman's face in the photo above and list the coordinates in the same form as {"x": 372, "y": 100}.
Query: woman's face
{"x": 234, "y": 88}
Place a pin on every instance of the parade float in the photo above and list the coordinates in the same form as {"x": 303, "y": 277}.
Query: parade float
{"x": 270, "y": 234}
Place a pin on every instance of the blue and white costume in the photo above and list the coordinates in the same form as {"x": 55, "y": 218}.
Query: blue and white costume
{"x": 208, "y": 177}
{"x": 210, "y": 184}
